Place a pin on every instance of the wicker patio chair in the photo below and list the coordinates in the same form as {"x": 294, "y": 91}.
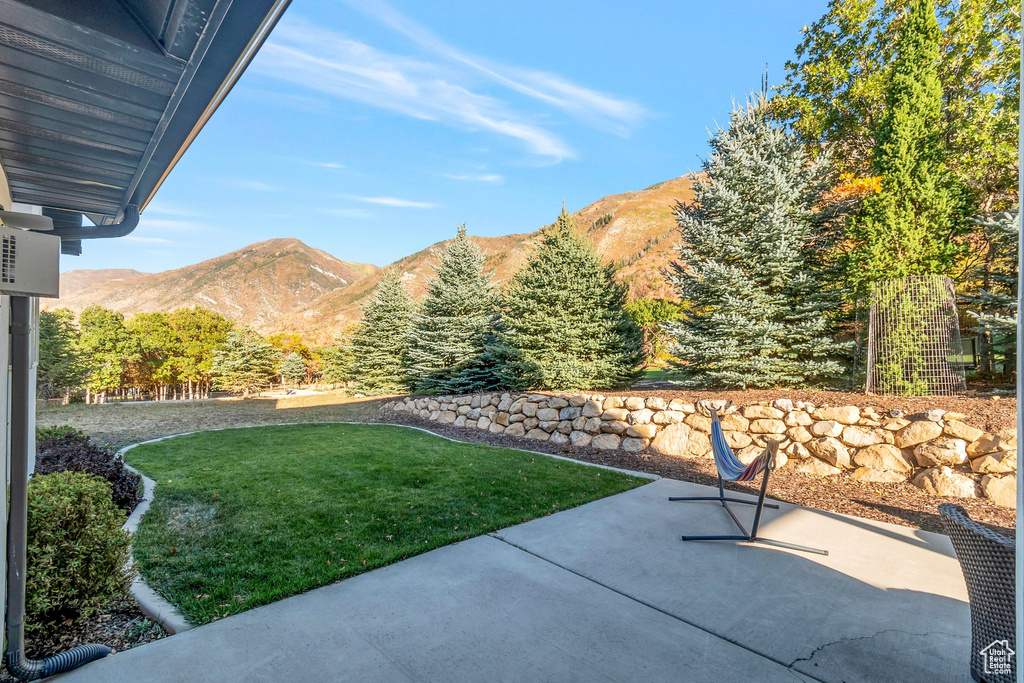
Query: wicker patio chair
{"x": 987, "y": 561}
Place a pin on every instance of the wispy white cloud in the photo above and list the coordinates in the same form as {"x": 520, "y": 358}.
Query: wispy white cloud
{"x": 325, "y": 164}
{"x": 393, "y": 201}
{"x": 247, "y": 184}
{"x": 274, "y": 98}
{"x": 477, "y": 177}
{"x": 603, "y": 110}
{"x": 139, "y": 239}
{"x": 171, "y": 224}
{"x": 329, "y": 62}
{"x": 167, "y": 209}
{"x": 348, "y": 213}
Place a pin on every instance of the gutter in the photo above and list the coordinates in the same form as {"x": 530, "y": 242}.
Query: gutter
{"x": 229, "y": 82}
{"x": 128, "y": 223}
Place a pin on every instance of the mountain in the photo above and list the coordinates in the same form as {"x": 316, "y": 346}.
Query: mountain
{"x": 634, "y": 230}
{"x": 255, "y": 284}
{"x": 282, "y": 284}
{"x": 75, "y": 281}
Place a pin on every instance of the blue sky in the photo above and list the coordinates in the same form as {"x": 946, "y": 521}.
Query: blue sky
{"x": 371, "y": 129}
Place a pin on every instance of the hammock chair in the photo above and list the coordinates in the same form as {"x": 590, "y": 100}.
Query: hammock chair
{"x": 731, "y": 469}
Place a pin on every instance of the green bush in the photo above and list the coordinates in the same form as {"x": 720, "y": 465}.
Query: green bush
{"x": 77, "y": 552}
{"x": 58, "y": 432}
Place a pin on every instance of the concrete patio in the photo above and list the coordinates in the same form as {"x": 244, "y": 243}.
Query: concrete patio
{"x": 607, "y": 591}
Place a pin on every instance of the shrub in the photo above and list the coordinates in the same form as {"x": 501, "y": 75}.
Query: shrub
{"x": 77, "y": 552}
{"x": 57, "y": 432}
{"x": 63, "y": 449}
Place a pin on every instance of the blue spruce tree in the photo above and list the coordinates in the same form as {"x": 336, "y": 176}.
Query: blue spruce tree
{"x": 754, "y": 269}
{"x": 450, "y": 330}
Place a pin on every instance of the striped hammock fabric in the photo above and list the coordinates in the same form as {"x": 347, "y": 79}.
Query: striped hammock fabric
{"x": 729, "y": 466}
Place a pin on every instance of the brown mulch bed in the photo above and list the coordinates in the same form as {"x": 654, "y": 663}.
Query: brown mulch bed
{"x": 121, "y": 627}
{"x": 996, "y": 414}
{"x": 901, "y": 503}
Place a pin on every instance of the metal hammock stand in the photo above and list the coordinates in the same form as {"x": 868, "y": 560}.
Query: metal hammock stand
{"x": 731, "y": 469}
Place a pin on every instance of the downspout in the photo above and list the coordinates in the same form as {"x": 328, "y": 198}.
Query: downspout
{"x": 17, "y": 532}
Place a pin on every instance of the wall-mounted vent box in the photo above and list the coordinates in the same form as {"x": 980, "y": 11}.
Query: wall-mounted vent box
{"x": 29, "y": 263}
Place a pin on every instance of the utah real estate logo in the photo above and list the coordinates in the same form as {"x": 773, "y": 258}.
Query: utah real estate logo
{"x": 998, "y": 657}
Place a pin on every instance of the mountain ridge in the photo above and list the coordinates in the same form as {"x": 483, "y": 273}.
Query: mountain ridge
{"x": 282, "y": 284}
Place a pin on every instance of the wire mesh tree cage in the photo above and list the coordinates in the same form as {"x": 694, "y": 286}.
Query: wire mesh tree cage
{"x": 914, "y": 346}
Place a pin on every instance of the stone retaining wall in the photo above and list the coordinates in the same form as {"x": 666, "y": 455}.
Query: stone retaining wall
{"x": 936, "y": 450}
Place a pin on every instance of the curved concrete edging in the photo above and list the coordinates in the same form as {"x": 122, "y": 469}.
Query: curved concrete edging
{"x": 150, "y": 602}
{"x": 155, "y": 607}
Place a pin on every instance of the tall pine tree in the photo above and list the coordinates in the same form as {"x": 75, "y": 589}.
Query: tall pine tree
{"x": 61, "y": 367}
{"x": 245, "y": 362}
{"x": 293, "y": 369}
{"x": 564, "y": 325}
{"x": 337, "y": 362}
{"x": 752, "y": 269}
{"x": 450, "y": 329}
{"x": 994, "y": 304}
{"x": 908, "y": 227}
{"x": 381, "y": 340}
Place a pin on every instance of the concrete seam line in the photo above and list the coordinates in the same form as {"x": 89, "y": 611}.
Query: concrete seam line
{"x": 649, "y": 605}
{"x": 160, "y": 610}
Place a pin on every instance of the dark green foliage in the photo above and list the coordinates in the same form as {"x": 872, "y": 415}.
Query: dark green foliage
{"x": 293, "y": 368}
{"x": 602, "y": 221}
{"x": 56, "y": 432}
{"x": 61, "y": 366}
{"x": 565, "y": 326}
{"x": 381, "y": 340}
{"x": 245, "y": 363}
{"x": 995, "y": 302}
{"x": 451, "y": 326}
{"x": 835, "y": 90}
{"x": 908, "y": 228}
{"x": 337, "y": 363}
{"x": 754, "y": 272}
{"x": 77, "y": 552}
{"x": 65, "y": 449}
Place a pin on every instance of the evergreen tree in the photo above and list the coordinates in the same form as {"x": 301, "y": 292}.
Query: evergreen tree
{"x": 293, "y": 369}
{"x": 908, "y": 226}
{"x": 60, "y": 362}
{"x": 753, "y": 272}
{"x": 245, "y": 363}
{"x": 381, "y": 340}
{"x": 564, "y": 323}
{"x": 451, "y": 326}
{"x": 337, "y": 363}
{"x": 994, "y": 304}
{"x": 835, "y": 89}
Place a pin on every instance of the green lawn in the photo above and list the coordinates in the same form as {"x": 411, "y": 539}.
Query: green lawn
{"x": 659, "y": 374}
{"x": 244, "y": 517}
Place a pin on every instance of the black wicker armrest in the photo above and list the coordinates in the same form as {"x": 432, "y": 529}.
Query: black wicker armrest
{"x": 988, "y": 562}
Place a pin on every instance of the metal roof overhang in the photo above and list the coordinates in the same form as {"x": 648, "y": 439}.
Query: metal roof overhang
{"x": 99, "y": 99}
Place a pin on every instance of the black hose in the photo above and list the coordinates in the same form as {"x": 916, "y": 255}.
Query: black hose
{"x": 17, "y": 521}
{"x": 32, "y": 669}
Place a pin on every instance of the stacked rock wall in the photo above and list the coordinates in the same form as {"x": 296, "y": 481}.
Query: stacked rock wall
{"x": 936, "y": 450}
